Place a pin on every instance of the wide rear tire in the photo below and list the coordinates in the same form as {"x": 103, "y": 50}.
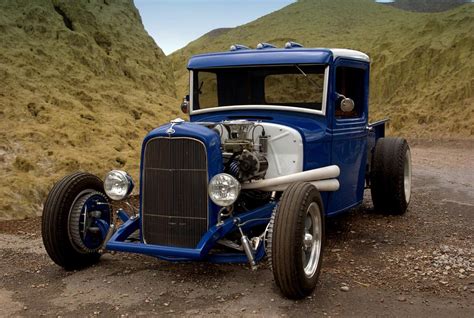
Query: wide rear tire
{"x": 61, "y": 227}
{"x": 297, "y": 240}
{"x": 391, "y": 176}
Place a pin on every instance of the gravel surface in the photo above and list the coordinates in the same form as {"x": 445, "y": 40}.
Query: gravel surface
{"x": 420, "y": 264}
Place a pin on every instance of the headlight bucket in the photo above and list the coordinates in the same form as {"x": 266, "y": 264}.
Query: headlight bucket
{"x": 224, "y": 189}
{"x": 118, "y": 185}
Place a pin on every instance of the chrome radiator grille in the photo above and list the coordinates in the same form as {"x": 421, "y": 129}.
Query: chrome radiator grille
{"x": 174, "y": 192}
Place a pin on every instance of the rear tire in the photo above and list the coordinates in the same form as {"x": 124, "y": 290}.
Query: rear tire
{"x": 297, "y": 240}
{"x": 391, "y": 176}
{"x": 60, "y": 214}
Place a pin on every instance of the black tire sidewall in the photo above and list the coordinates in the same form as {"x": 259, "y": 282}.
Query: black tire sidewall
{"x": 289, "y": 230}
{"x": 387, "y": 176}
{"x": 309, "y": 284}
{"x": 55, "y": 220}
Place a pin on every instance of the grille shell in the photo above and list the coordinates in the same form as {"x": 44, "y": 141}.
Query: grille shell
{"x": 174, "y": 192}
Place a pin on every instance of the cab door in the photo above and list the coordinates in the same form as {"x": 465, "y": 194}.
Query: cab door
{"x": 350, "y": 79}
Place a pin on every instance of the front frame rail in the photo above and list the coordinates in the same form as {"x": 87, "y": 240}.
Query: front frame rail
{"x": 118, "y": 241}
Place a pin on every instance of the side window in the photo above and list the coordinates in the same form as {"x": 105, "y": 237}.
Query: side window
{"x": 350, "y": 83}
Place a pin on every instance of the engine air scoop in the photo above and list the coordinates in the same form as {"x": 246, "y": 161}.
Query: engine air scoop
{"x": 238, "y": 129}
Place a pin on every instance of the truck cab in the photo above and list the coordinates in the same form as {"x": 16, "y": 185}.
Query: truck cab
{"x": 299, "y": 88}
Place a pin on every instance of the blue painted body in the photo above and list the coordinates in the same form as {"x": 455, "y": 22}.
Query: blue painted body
{"x": 96, "y": 202}
{"x": 327, "y": 140}
{"x": 261, "y": 57}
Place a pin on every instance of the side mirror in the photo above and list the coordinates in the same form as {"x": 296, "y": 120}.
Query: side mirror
{"x": 347, "y": 105}
{"x": 185, "y": 105}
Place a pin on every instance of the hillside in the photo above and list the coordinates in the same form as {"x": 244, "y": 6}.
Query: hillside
{"x": 81, "y": 84}
{"x": 428, "y": 5}
{"x": 422, "y": 67}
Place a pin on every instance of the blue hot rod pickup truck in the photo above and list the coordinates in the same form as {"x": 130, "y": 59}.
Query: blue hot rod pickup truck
{"x": 278, "y": 140}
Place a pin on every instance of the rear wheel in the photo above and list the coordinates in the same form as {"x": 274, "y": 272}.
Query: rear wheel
{"x": 297, "y": 240}
{"x": 76, "y": 219}
{"x": 391, "y": 176}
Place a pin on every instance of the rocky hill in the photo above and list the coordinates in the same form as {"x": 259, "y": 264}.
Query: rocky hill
{"x": 81, "y": 84}
{"x": 422, "y": 65}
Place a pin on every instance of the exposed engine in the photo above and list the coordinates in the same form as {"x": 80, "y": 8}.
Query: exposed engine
{"x": 248, "y": 165}
{"x": 244, "y": 148}
{"x": 243, "y": 158}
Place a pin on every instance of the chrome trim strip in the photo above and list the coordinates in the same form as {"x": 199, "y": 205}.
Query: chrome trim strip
{"x": 259, "y": 107}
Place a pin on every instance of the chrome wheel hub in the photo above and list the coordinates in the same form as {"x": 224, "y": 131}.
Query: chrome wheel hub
{"x": 308, "y": 241}
{"x": 311, "y": 246}
{"x": 407, "y": 176}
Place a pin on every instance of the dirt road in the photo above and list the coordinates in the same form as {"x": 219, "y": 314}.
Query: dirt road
{"x": 419, "y": 265}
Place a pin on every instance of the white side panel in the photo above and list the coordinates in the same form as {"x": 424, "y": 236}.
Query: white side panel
{"x": 285, "y": 149}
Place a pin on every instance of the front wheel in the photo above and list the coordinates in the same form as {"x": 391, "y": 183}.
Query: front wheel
{"x": 297, "y": 240}
{"x": 76, "y": 219}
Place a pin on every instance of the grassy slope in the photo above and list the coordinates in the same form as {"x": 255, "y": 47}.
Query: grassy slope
{"x": 422, "y": 67}
{"x": 77, "y": 99}
{"x": 427, "y": 5}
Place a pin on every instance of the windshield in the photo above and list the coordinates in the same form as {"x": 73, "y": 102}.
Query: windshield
{"x": 289, "y": 85}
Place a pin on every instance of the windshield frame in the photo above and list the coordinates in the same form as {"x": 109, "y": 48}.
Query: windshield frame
{"x": 321, "y": 112}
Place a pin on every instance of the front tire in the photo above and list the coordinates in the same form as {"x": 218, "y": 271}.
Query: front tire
{"x": 391, "y": 176}
{"x": 76, "y": 217}
{"x": 297, "y": 241}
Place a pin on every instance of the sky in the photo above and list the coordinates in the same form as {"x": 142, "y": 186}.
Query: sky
{"x": 175, "y": 23}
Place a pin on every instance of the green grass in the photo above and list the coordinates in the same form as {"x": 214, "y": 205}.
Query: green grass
{"x": 74, "y": 98}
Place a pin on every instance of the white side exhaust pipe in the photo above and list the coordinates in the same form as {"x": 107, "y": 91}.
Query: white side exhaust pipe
{"x": 316, "y": 177}
{"x": 321, "y": 185}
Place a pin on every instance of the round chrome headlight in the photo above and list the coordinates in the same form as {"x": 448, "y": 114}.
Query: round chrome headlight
{"x": 224, "y": 189}
{"x": 118, "y": 185}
